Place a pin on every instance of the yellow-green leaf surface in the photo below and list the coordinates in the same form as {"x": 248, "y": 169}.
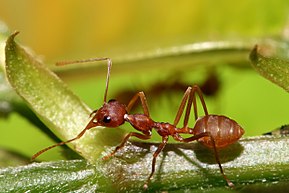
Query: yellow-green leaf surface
{"x": 51, "y": 100}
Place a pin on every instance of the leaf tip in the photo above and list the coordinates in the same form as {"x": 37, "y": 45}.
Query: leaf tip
{"x": 9, "y": 49}
{"x": 15, "y": 33}
{"x": 9, "y": 43}
{"x": 12, "y": 36}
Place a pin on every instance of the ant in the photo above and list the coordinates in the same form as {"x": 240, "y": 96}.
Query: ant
{"x": 213, "y": 131}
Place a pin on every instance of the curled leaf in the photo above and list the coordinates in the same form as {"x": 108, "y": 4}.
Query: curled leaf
{"x": 59, "y": 109}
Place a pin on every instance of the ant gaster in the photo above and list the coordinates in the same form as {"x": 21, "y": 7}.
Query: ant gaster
{"x": 213, "y": 131}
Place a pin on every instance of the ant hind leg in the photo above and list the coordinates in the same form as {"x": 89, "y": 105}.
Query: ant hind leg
{"x": 189, "y": 98}
{"x": 208, "y": 134}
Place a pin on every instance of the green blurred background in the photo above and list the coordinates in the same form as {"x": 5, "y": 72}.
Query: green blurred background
{"x": 70, "y": 29}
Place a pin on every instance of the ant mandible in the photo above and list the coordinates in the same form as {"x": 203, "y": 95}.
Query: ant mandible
{"x": 213, "y": 131}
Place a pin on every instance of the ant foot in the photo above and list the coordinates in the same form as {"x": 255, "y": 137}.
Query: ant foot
{"x": 230, "y": 184}
{"x": 145, "y": 186}
{"x": 107, "y": 157}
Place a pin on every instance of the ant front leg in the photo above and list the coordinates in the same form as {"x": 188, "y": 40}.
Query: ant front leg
{"x": 189, "y": 98}
{"x": 143, "y": 100}
{"x": 138, "y": 135}
{"x": 208, "y": 134}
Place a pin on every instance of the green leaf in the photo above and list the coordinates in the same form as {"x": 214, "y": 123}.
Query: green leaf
{"x": 59, "y": 109}
{"x": 267, "y": 60}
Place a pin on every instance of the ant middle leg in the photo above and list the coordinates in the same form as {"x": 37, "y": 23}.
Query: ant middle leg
{"x": 143, "y": 100}
{"x": 157, "y": 152}
{"x": 134, "y": 134}
{"x": 189, "y": 98}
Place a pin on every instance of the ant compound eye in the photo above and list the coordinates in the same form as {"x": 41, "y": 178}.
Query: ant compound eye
{"x": 106, "y": 119}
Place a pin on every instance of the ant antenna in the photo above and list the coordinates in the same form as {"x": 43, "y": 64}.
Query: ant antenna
{"x": 109, "y": 64}
{"x": 90, "y": 125}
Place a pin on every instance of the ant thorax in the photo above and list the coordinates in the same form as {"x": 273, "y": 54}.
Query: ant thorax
{"x": 140, "y": 122}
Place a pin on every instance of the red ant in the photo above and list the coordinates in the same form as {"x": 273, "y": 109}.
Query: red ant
{"x": 213, "y": 131}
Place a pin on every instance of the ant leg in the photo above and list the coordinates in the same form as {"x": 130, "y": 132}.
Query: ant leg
{"x": 190, "y": 98}
{"x": 196, "y": 89}
{"x": 208, "y": 134}
{"x": 157, "y": 152}
{"x": 138, "y": 135}
{"x": 143, "y": 100}
{"x": 182, "y": 106}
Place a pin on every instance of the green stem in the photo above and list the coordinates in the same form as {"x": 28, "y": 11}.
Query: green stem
{"x": 259, "y": 161}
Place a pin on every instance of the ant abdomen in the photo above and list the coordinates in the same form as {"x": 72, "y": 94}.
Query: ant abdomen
{"x": 224, "y": 130}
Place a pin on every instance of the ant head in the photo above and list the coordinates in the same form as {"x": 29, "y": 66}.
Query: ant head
{"x": 111, "y": 114}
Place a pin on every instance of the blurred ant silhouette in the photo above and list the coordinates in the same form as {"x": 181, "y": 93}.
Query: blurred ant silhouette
{"x": 213, "y": 131}
{"x": 210, "y": 87}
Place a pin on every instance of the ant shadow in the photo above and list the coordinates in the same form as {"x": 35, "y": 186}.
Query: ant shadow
{"x": 207, "y": 155}
{"x": 202, "y": 153}
{"x": 194, "y": 153}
